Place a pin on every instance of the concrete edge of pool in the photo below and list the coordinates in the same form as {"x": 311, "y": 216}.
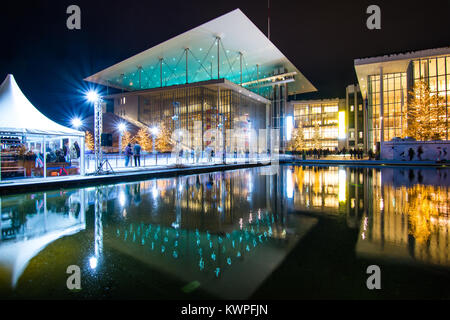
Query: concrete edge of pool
{"x": 21, "y": 186}
{"x": 368, "y": 163}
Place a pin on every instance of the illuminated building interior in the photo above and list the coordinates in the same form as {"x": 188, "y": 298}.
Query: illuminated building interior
{"x": 229, "y": 54}
{"x": 319, "y": 121}
{"x": 386, "y": 83}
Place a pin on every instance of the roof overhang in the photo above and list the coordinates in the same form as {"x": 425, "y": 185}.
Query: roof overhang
{"x": 212, "y": 84}
{"x": 390, "y": 64}
{"x": 237, "y": 35}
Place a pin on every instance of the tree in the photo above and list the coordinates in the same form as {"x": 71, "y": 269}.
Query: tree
{"x": 297, "y": 142}
{"x": 164, "y": 139}
{"x": 144, "y": 140}
{"x": 89, "y": 141}
{"x": 426, "y": 114}
{"x": 126, "y": 139}
{"x": 316, "y": 143}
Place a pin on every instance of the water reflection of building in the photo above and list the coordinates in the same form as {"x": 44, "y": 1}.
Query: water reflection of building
{"x": 329, "y": 190}
{"x": 407, "y": 220}
{"x": 29, "y": 223}
{"x": 402, "y": 213}
{"x": 207, "y": 201}
{"x": 206, "y": 227}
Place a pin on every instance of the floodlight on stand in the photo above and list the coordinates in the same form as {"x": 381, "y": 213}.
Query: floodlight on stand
{"x": 92, "y": 96}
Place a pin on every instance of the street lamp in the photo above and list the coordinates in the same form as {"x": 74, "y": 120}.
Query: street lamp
{"x": 77, "y": 123}
{"x": 122, "y": 127}
{"x": 154, "y": 131}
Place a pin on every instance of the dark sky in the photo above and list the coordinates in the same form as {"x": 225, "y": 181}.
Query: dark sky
{"x": 322, "y": 38}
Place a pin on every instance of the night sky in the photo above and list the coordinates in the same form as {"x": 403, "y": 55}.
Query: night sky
{"x": 322, "y": 38}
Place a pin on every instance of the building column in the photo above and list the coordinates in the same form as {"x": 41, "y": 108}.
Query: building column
{"x": 355, "y": 96}
{"x": 381, "y": 108}
{"x": 365, "y": 122}
{"x": 347, "y": 118}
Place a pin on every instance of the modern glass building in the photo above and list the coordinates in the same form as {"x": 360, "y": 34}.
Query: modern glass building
{"x": 224, "y": 74}
{"x": 331, "y": 123}
{"x": 386, "y": 83}
{"x": 319, "y": 122}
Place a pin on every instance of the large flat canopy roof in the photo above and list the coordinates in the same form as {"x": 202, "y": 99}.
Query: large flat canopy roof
{"x": 212, "y": 84}
{"x": 394, "y": 63}
{"x": 205, "y": 57}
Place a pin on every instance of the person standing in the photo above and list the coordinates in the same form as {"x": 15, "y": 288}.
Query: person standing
{"x": 128, "y": 154}
{"x": 137, "y": 155}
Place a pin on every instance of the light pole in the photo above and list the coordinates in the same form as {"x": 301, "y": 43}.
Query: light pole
{"x": 95, "y": 98}
{"x": 222, "y": 126}
{"x": 154, "y": 132}
{"x": 122, "y": 128}
{"x": 175, "y": 120}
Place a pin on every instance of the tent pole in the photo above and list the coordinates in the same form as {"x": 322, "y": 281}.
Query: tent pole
{"x": 45, "y": 160}
{"x": 82, "y": 164}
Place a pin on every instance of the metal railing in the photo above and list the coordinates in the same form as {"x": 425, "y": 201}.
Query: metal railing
{"x": 149, "y": 160}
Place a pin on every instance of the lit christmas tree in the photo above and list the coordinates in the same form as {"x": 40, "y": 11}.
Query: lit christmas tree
{"x": 144, "y": 140}
{"x": 426, "y": 114}
{"x": 126, "y": 139}
{"x": 316, "y": 143}
{"x": 297, "y": 142}
{"x": 89, "y": 141}
{"x": 164, "y": 139}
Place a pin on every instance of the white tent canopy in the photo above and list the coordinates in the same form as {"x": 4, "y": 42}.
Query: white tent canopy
{"x": 18, "y": 115}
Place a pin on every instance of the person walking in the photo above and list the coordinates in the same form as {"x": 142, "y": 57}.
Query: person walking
{"x": 128, "y": 154}
{"x": 137, "y": 154}
{"x": 411, "y": 154}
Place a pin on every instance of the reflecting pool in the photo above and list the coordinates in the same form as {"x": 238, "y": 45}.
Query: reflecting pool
{"x": 305, "y": 232}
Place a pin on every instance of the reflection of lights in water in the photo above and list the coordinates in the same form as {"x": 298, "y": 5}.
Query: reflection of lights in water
{"x": 342, "y": 185}
{"x": 122, "y": 198}
{"x": 240, "y": 223}
{"x": 381, "y": 204}
{"x": 210, "y": 247}
{"x": 175, "y": 225}
{"x": 93, "y": 263}
{"x": 289, "y": 184}
{"x": 250, "y": 182}
{"x": 155, "y": 193}
{"x": 365, "y": 224}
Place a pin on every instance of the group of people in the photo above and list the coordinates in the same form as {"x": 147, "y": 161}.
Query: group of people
{"x": 133, "y": 151}
{"x": 322, "y": 153}
{"x": 356, "y": 154}
{"x": 65, "y": 154}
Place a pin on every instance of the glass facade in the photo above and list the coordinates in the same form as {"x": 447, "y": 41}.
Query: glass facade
{"x": 320, "y": 123}
{"x": 394, "y": 107}
{"x": 198, "y": 109}
{"x": 436, "y": 72}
